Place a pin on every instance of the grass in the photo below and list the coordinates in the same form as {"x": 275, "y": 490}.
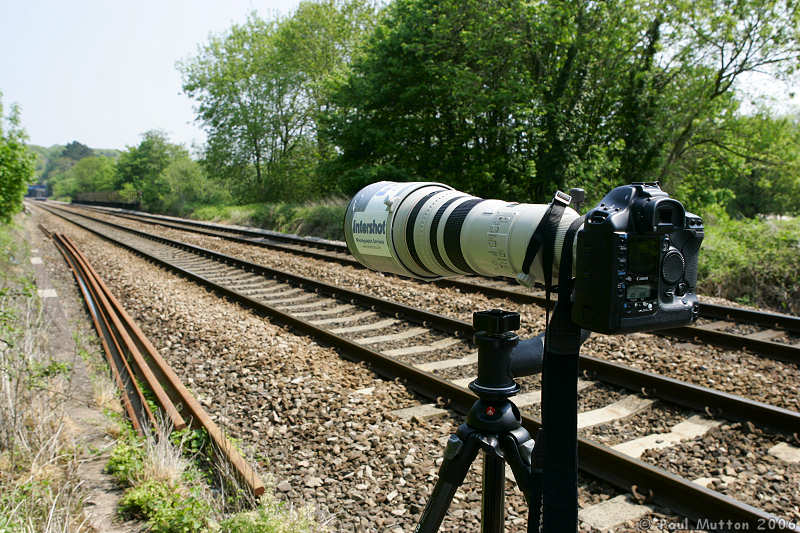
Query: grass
{"x": 167, "y": 484}
{"x": 753, "y": 261}
{"x": 39, "y": 487}
{"x": 319, "y": 219}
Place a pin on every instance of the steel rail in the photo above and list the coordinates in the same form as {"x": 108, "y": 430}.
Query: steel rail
{"x": 681, "y": 393}
{"x": 708, "y": 310}
{"x": 132, "y": 399}
{"x": 335, "y": 246}
{"x": 128, "y": 330}
{"x": 140, "y": 366}
{"x": 689, "y": 499}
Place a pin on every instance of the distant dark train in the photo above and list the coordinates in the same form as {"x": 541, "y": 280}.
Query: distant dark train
{"x": 37, "y": 192}
{"x": 106, "y": 199}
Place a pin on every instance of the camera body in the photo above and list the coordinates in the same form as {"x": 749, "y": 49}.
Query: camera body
{"x": 636, "y": 262}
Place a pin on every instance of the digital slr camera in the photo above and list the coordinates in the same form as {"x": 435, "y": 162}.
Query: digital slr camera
{"x": 635, "y": 255}
{"x": 636, "y": 262}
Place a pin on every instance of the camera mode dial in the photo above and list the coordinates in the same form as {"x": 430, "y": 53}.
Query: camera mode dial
{"x": 672, "y": 267}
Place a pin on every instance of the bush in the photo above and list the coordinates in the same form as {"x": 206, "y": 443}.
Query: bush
{"x": 126, "y": 461}
{"x": 753, "y": 261}
{"x": 319, "y": 219}
{"x": 16, "y": 163}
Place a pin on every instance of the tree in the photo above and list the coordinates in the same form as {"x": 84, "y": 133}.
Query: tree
{"x": 90, "y": 174}
{"x": 59, "y": 163}
{"x": 77, "y": 151}
{"x": 502, "y": 98}
{"x": 519, "y": 98}
{"x": 749, "y": 167}
{"x": 188, "y": 184}
{"x": 260, "y": 88}
{"x": 141, "y": 167}
{"x": 16, "y": 163}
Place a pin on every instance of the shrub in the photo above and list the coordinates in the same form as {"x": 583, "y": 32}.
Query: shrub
{"x": 752, "y": 261}
{"x": 318, "y": 219}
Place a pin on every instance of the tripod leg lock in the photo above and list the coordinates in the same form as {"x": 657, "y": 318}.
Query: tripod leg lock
{"x": 454, "y": 445}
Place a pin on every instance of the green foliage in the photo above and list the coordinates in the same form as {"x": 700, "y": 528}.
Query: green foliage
{"x": 318, "y": 219}
{"x": 515, "y": 99}
{"x": 16, "y": 163}
{"x": 166, "y": 509}
{"x": 53, "y": 165}
{"x": 89, "y": 174}
{"x": 127, "y": 459}
{"x": 77, "y": 151}
{"x": 142, "y": 167}
{"x": 191, "y": 441}
{"x": 186, "y": 184}
{"x": 260, "y": 88}
{"x": 753, "y": 261}
{"x": 271, "y": 516}
{"x": 750, "y": 167}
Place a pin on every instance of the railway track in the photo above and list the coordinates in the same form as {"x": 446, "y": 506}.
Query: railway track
{"x": 133, "y": 360}
{"x": 772, "y": 335}
{"x": 416, "y": 345}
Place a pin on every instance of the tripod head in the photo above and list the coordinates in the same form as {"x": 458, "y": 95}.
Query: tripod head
{"x": 502, "y": 356}
{"x": 495, "y": 338}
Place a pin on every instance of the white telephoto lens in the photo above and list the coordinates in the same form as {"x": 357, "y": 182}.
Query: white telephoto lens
{"x": 429, "y": 230}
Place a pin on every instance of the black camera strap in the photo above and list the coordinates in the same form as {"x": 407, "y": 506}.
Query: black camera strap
{"x": 565, "y": 265}
{"x": 544, "y": 237}
{"x": 564, "y": 286}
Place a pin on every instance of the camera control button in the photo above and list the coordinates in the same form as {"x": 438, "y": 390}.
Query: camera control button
{"x": 672, "y": 267}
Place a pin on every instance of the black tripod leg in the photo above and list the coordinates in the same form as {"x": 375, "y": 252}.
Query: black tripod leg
{"x": 493, "y": 503}
{"x": 458, "y": 456}
{"x": 518, "y": 449}
{"x": 535, "y": 504}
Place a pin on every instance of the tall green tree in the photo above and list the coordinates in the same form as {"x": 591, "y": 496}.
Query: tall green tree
{"x": 187, "y": 185}
{"x": 749, "y": 167}
{"x": 60, "y": 162}
{"x": 77, "y": 151}
{"x": 90, "y": 174}
{"x": 16, "y": 162}
{"x": 519, "y": 98}
{"x": 260, "y": 88}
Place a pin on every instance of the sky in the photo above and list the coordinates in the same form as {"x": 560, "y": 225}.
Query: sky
{"x": 103, "y": 72}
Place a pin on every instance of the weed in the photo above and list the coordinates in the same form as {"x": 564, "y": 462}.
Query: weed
{"x": 166, "y": 508}
{"x": 39, "y": 489}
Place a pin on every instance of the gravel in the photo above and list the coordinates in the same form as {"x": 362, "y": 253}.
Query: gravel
{"x": 737, "y": 372}
{"x": 294, "y": 402}
{"x": 736, "y": 454}
{"x": 294, "y": 405}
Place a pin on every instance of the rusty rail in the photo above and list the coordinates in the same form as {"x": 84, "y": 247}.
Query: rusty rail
{"x": 131, "y": 355}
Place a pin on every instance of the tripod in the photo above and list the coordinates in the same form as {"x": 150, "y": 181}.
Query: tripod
{"x": 494, "y": 425}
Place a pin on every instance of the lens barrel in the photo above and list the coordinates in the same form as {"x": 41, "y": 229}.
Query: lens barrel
{"x": 429, "y": 230}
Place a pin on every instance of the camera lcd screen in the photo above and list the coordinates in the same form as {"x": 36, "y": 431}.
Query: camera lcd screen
{"x": 643, "y": 254}
{"x": 639, "y": 292}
